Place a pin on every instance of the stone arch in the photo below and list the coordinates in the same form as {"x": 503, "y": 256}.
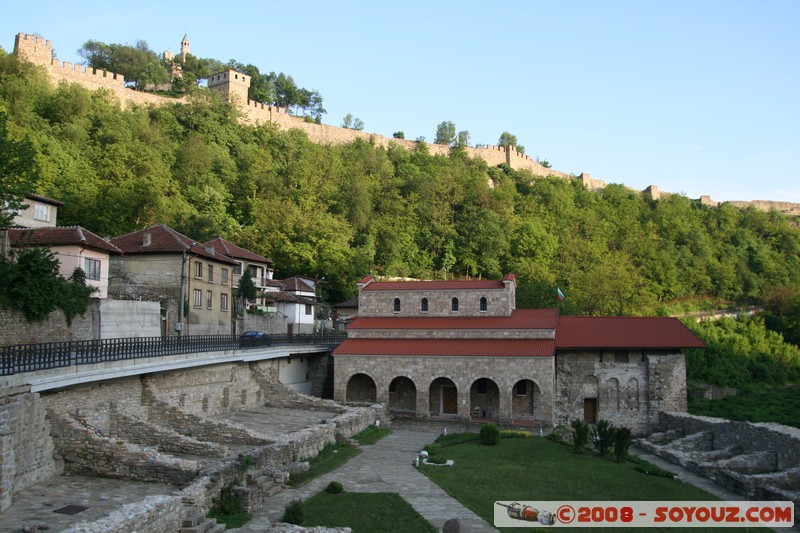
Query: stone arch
{"x": 402, "y": 395}
{"x": 361, "y": 388}
{"x": 632, "y": 393}
{"x": 525, "y": 399}
{"x": 443, "y": 395}
{"x": 484, "y": 399}
{"x": 613, "y": 394}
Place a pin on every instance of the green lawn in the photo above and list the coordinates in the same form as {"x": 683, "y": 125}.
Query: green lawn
{"x": 364, "y": 513}
{"x": 779, "y": 404}
{"x": 372, "y": 434}
{"x": 536, "y": 469}
{"x": 332, "y": 456}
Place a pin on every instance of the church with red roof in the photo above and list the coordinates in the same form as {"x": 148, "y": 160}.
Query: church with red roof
{"x": 460, "y": 349}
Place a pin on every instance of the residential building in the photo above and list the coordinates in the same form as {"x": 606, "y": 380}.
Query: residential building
{"x": 74, "y": 247}
{"x": 186, "y": 277}
{"x": 259, "y": 268}
{"x": 39, "y": 211}
{"x": 460, "y": 349}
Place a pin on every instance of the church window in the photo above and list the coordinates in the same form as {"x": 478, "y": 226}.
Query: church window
{"x": 397, "y": 305}
{"x": 454, "y": 304}
{"x": 484, "y": 304}
{"x": 424, "y": 305}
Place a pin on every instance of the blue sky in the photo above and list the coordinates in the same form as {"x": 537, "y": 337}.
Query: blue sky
{"x": 697, "y": 97}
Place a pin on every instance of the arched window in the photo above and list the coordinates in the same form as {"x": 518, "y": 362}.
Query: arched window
{"x": 484, "y": 305}
{"x": 454, "y": 304}
{"x": 424, "y": 305}
{"x": 397, "y": 305}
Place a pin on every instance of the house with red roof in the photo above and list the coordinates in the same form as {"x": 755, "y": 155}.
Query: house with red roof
{"x": 192, "y": 281}
{"x": 258, "y": 267}
{"x": 460, "y": 349}
{"x": 74, "y": 247}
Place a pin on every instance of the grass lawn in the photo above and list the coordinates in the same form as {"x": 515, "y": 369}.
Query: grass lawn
{"x": 364, "y": 513}
{"x": 329, "y": 458}
{"x": 372, "y": 434}
{"x": 536, "y": 469}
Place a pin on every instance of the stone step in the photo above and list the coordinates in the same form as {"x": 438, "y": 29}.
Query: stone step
{"x": 193, "y": 520}
{"x": 208, "y": 525}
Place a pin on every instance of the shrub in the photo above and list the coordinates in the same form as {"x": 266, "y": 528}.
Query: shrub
{"x": 602, "y": 436}
{"x": 622, "y": 441}
{"x": 514, "y": 434}
{"x": 557, "y": 438}
{"x": 433, "y": 449}
{"x": 489, "y": 435}
{"x": 293, "y": 512}
{"x": 580, "y": 434}
{"x": 334, "y": 487}
{"x": 455, "y": 438}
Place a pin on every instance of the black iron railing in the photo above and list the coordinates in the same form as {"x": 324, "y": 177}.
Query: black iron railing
{"x": 31, "y": 357}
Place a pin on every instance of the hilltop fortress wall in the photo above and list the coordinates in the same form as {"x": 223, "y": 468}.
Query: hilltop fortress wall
{"x": 233, "y": 87}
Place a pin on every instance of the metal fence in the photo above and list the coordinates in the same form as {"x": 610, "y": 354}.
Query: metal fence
{"x": 31, "y": 357}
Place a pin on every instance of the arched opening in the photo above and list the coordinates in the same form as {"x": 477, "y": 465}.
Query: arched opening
{"x": 484, "y": 399}
{"x": 526, "y": 397}
{"x": 454, "y": 304}
{"x": 613, "y": 393}
{"x": 484, "y": 304}
{"x": 402, "y": 396}
{"x": 361, "y": 388}
{"x": 443, "y": 397}
{"x": 397, "y": 305}
{"x": 424, "y": 305}
{"x": 632, "y": 391}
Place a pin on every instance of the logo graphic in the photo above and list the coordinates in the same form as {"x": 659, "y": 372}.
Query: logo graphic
{"x": 524, "y": 512}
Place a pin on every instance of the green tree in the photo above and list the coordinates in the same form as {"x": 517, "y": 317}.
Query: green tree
{"x": 445, "y": 133}
{"x": 508, "y": 139}
{"x": 462, "y": 138}
{"x": 18, "y": 171}
{"x": 399, "y": 135}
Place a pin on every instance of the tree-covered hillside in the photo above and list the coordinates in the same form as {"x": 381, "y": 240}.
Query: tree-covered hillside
{"x": 347, "y": 211}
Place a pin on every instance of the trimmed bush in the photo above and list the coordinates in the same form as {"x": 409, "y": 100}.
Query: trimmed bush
{"x": 455, "y": 438}
{"x": 622, "y": 441}
{"x": 514, "y": 434}
{"x": 433, "y": 449}
{"x": 489, "y": 435}
{"x": 293, "y": 512}
{"x": 334, "y": 487}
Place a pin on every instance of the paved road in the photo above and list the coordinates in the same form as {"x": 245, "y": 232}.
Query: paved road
{"x": 383, "y": 467}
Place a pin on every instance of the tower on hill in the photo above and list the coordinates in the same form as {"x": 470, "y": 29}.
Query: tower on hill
{"x": 184, "y": 47}
{"x": 231, "y": 85}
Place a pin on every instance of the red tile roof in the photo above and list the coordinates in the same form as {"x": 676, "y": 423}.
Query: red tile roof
{"x": 164, "y": 240}
{"x": 624, "y": 332}
{"x": 448, "y": 347}
{"x": 226, "y": 247}
{"x": 520, "y": 319}
{"x": 59, "y": 236}
{"x": 434, "y": 285}
{"x": 44, "y": 199}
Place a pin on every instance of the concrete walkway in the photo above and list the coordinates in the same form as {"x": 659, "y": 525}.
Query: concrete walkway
{"x": 383, "y": 467}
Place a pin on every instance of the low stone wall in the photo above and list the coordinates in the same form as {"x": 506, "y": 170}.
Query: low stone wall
{"x": 758, "y": 461}
{"x": 154, "y": 514}
{"x": 86, "y": 451}
{"x": 163, "y": 439}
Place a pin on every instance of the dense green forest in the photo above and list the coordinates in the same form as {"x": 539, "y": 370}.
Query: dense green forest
{"x": 346, "y": 211}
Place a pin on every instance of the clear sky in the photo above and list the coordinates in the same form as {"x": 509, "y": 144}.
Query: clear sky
{"x": 695, "y": 96}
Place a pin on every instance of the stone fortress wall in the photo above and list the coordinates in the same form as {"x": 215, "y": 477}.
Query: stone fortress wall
{"x": 40, "y": 51}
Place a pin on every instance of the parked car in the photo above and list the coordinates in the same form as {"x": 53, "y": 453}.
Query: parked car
{"x": 254, "y": 338}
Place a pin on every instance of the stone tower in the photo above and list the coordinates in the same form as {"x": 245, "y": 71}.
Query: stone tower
{"x": 184, "y": 47}
{"x": 231, "y": 85}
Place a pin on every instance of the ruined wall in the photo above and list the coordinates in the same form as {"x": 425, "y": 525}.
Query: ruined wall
{"x": 26, "y": 448}
{"x": 505, "y": 372}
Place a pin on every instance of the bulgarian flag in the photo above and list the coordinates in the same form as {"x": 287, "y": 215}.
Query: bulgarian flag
{"x": 559, "y": 294}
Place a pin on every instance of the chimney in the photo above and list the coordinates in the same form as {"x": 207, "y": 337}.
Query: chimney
{"x": 146, "y": 239}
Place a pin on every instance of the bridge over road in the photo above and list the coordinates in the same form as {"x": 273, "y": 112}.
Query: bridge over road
{"x": 43, "y": 367}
